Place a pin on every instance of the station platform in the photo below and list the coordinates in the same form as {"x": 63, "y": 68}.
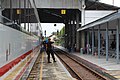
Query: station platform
{"x": 110, "y": 67}
{"x": 55, "y": 71}
{"x": 48, "y": 71}
{"x": 16, "y": 72}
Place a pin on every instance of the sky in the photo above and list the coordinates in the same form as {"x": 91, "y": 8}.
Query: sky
{"x": 49, "y": 27}
{"x": 116, "y": 2}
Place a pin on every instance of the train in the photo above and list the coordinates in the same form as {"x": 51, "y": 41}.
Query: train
{"x": 15, "y": 45}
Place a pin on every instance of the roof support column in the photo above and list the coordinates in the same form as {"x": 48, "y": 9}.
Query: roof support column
{"x": 107, "y": 41}
{"x": 117, "y": 41}
{"x": 28, "y": 15}
{"x": 66, "y": 34}
{"x": 73, "y": 34}
{"x": 11, "y": 11}
{"x": 92, "y": 40}
{"x": 1, "y": 20}
{"x": 70, "y": 35}
{"x": 83, "y": 12}
{"x": 99, "y": 41}
{"x": 77, "y": 33}
{"x": 19, "y": 20}
{"x": 25, "y": 14}
{"x": 88, "y": 46}
{"x": 82, "y": 39}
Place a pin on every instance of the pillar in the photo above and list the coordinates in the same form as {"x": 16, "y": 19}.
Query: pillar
{"x": 70, "y": 31}
{"x": 83, "y": 39}
{"x": 93, "y": 41}
{"x": 117, "y": 41}
{"x": 73, "y": 33}
{"x": 25, "y": 14}
{"x": 88, "y": 43}
{"x": 1, "y": 10}
{"x": 77, "y": 33}
{"x": 66, "y": 34}
{"x": 107, "y": 41}
{"x": 1, "y": 14}
{"x": 99, "y": 41}
{"x": 83, "y": 12}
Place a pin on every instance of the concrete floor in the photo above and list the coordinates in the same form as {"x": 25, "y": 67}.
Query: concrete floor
{"x": 55, "y": 71}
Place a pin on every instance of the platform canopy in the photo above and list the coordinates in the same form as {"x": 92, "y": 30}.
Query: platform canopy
{"x": 96, "y": 5}
{"x": 108, "y": 18}
{"x": 53, "y": 15}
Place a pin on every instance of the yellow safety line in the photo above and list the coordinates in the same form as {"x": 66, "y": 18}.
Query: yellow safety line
{"x": 16, "y": 70}
{"x": 118, "y": 77}
{"x": 41, "y": 66}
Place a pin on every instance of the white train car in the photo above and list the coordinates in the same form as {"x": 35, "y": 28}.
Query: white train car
{"x": 15, "y": 45}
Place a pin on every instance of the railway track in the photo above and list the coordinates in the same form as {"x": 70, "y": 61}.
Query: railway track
{"x": 79, "y": 69}
{"x": 35, "y": 71}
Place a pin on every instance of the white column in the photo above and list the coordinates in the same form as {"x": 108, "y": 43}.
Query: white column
{"x": 0, "y": 15}
{"x": 0, "y": 9}
{"x": 83, "y": 12}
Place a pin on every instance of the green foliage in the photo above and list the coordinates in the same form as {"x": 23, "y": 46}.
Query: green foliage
{"x": 61, "y": 37}
{"x": 62, "y": 31}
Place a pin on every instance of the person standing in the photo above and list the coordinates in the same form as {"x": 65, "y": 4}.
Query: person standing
{"x": 49, "y": 50}
{"x": 43, "y": 45}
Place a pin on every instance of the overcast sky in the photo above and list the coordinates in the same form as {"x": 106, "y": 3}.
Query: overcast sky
{"x": 49, "y": 27}
{"x": 116, "y": 2}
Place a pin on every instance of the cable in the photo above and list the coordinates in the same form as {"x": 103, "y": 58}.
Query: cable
{"x": 52, "y": 13}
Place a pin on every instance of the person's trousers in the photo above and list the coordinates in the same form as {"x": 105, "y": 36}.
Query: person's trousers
{"x": 52, "y": 54}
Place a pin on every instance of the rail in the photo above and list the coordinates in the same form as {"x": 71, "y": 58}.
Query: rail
{"x": 82, "y": 71}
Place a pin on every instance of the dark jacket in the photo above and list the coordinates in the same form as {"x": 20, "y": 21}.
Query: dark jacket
{"x": 49, "y": 45}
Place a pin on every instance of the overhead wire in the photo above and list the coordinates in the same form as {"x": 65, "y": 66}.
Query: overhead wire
{"x": 52, "y": 13}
